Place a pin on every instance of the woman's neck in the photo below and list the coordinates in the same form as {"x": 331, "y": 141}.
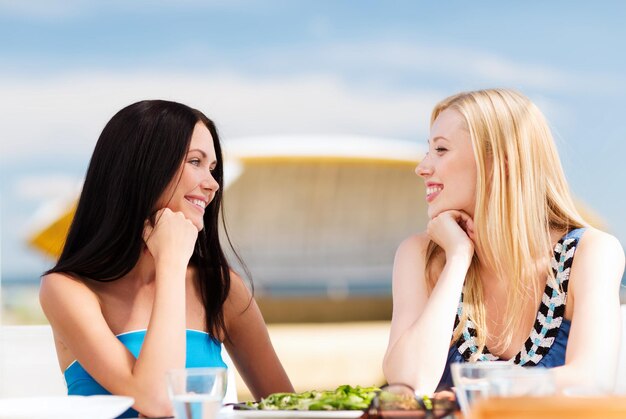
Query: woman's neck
{"x": 144, "y": 271}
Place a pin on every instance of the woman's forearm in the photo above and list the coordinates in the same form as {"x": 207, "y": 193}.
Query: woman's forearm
{"x": 419, "y": 355}
{"x": 164, "y": 346}
{"x": 588, "y": 378}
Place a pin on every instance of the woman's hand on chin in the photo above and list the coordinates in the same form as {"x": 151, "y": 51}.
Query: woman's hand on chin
{"x": 453, "y": 231}
{"x": 173, "y": 236}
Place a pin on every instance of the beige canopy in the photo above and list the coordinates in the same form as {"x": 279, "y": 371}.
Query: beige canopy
{"x": 310, "y": 211}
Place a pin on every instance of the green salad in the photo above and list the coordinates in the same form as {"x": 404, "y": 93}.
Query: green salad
{"x": 344, "y": 397}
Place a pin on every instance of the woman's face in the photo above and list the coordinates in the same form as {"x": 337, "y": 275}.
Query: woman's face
{"x": 197, "y": 187}
{"x": 449, "y": 168}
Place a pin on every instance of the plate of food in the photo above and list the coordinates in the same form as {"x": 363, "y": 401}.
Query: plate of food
{"x": 345, "y": 402}
{"x": 296, "y": 414}
{"x": 64, "y": 407}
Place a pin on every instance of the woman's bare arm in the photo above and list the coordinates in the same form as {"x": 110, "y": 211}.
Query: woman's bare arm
{"x": 594, "y": 339}
{"x": 250, "y": 346}
{"x": 422, "y": 324}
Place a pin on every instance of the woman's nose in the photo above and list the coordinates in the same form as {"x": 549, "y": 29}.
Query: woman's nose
{"x": 210, "y": 183}
{"x": 423, "y": 168}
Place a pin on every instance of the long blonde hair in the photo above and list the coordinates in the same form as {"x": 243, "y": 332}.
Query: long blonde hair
{"x": 522, "y": 195}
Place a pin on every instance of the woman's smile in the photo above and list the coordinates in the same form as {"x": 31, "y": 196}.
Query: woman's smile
{"x": 432, "y": 191}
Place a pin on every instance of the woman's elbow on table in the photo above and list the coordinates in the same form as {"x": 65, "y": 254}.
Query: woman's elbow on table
{"x": 151, "y": 400}
{"x": 391, "y": 370}
{"x": 155, "y": 407}
{"x": 399, "y": 372}
{"x": 422, "y": 380}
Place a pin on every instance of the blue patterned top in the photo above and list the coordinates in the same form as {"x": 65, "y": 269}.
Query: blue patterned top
{"x": 547, "y": 343}
{"x": 203, "y": 350}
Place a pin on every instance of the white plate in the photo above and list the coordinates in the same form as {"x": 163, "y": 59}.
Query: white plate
{"x": 296, "y": 414}
{"x": 64, "y": 407}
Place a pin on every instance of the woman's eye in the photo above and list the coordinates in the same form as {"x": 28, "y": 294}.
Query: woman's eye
{"x": 440, "y": 149}
{"x": 195, "y": 162}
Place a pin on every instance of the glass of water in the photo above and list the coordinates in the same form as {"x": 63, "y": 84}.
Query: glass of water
{"x": 197, "y": 393}
{"x": 472, "y": 380}
{"x": 522, "y": 382}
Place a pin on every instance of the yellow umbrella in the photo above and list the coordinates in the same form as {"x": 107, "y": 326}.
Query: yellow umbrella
{"x": 50, "y": 239}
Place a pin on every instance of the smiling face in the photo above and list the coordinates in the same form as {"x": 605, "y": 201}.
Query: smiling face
{"x": 193, "y": 187}
{"x": 449, "y": 168}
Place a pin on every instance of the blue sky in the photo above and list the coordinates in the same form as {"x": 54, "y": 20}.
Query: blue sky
{"x": 298, "y": 67}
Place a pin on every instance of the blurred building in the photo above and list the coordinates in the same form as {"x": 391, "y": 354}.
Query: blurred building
{"x": 317, "y": 220}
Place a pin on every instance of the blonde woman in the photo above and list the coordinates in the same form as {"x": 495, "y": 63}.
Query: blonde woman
{"x": 507, "y": 268}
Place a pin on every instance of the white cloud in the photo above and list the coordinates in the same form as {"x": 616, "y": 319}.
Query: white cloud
{"x": 66, "y": 114}
{"x": 467, "y": 65}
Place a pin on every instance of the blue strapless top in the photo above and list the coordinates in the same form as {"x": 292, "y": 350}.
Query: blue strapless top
{"x": 203, "y": 350}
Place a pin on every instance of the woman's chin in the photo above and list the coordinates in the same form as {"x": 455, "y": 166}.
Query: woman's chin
{"x": 199, "y": 224}
{"x": 433, "y": 212}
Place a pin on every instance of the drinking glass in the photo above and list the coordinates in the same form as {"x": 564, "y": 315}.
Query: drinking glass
{"x": 197, "y": 393}
{"x": 522, "y": 382}
{"x": 471, "y": 380}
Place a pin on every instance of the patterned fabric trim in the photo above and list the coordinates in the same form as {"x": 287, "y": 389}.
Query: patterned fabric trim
{"x": 549, "y": 317}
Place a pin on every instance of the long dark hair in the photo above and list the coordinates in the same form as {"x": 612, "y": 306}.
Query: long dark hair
{"x": 136, "y": 157}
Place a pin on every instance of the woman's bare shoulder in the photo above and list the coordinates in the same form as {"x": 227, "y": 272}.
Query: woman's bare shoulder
{"x": 239, "y": 297}
{"x": 597, "y": 242}
{"x": 58, "y": 290}
{"x": 55, "y": 282}
{"x": 599, "y": 257}
{"x": 410, "y": 260}
{"x": 238, "y": 288}
{"x": 411, "y": 252}
{"x": 416, "y": 243}
{"x": 593, "y": 234}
